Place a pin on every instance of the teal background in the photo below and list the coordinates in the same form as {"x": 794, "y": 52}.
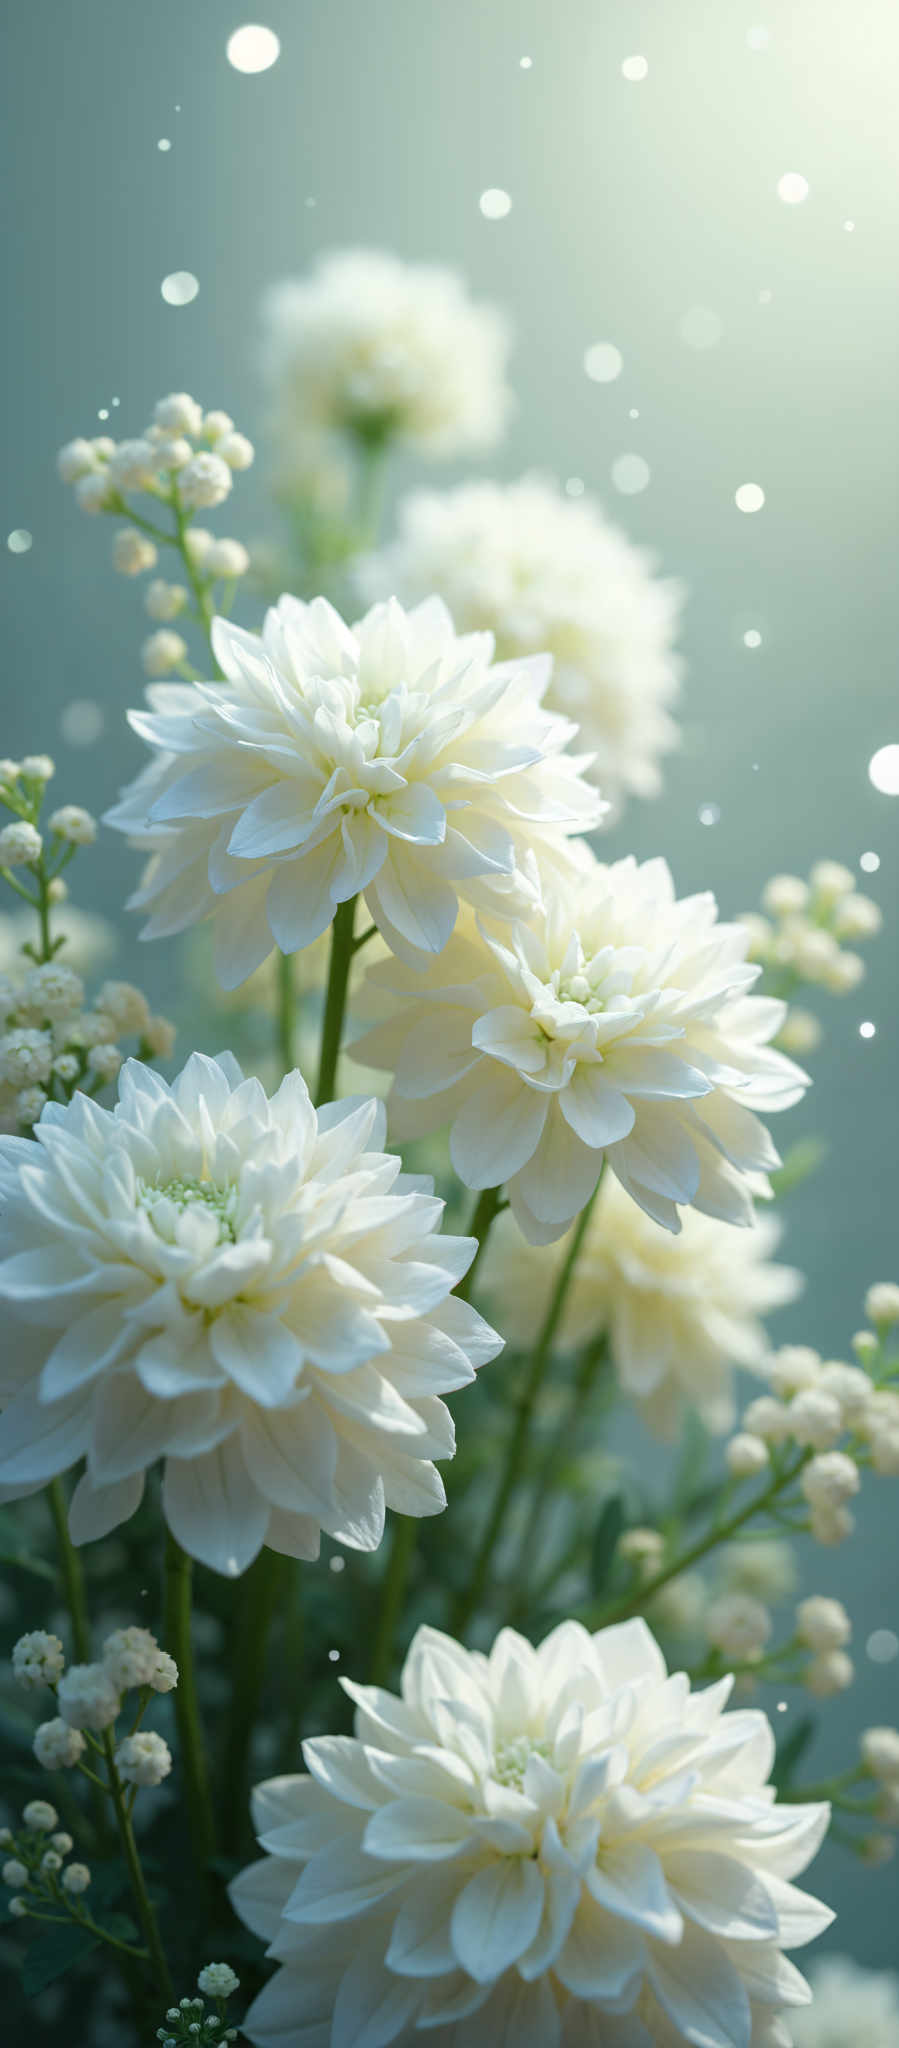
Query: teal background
{"x": 631, "y": 204}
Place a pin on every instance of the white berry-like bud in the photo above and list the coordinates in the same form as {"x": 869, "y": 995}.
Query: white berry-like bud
{"x": 197, "y": 541}
{"x": 164, "y": 1675}
{"x": 9, "y": 770}
{"x": 132, "y": 552}
{"x": 76, "y": 1878}
{"x": 38, "y": 1659}
{"x": 18, "y": 1907}
{"x": 87, "y": 1697}
{"x": 767, "y": 1418}
{"x": 816, "y": 1419}
{"x": 51, "y": 1860}
{"x": 880, "y": 1754}
{"x": 62, "y": 1842}
{"x": 143, "y": 1759}
{"x": 236, "y": 450}
{"x": 831, "y": 1525}
{"x": 104, "y": 1061}
{"x": 215, "y": 424}
{"x": 57, "y": 1746}
{"x": 845, "y": 973}
{"x": 131, "y": 466}
{"x": 882, "y": 1303}
{"x": 830, "y": 880}
{"x": 163, "y": 600}
{"x": 124, "y": 1004}
{"x": 75, "y": 824}
{"x": 129, "y": 1655}
{"x": 227, "y": 558}
{"x": 103, "y": 446}
{"x": 57, "y": 890}
{"x": 5, "y": 1837}
{"x": 859, "y": 917}
{"x": 172, "y": 451}
{"x": 865, "y": 1346}
{"x": 204, "y": 481}
{"x": 738, "y": 1625}
{"x": 75, "y": 460}
{"x": 179, "y": 414}
{"x": 66, "y": 1067}
{"x": 20, "y": 845}
{"x": 793, "y": 1368}
{"x": 218, "y": 1980}
{"x": 26, "y": 1057}
{"x": 829, "y": 1480}
{"x": 850, "y": 1386}
{"x": 14, "y": 1873}
{"x": 159, "y": 1037}
{"x": 38, "y": 767}
{"x": 822, "y": 1624}
{"x": 644, "y": 1548}
{"x": 746, "y": 1455}
{"x": 29, "y": 1104}
{"x": 885, "y": 1453}
{"x": 94, "y": 492}
{"x": 785, "y": 895}
{"x": 53, "y": 991}
{"x": 828, "y": 1674}
{"x": 162, "y": 652}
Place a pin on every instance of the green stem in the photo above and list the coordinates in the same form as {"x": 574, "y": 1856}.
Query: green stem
{"x": 342, "y": 949}
{"x": 178, "y": 1582}
{"x": 393, "y": 1593}
{"x": 486, "y": 1209}
{"x": 71, "y": 1572}
{"x": 145, "y": 1911}
{"x": 370, "y": 499}
{"x": 568, "y": 1433}
{"x": 286, "y": 1012}
{"x": 202, "y": 595}
{"x": 518, "y": 1443}
{"x": 262, "y": 1587}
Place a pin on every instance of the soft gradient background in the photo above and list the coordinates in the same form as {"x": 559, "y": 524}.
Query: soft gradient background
{"x": 381, "y": 124}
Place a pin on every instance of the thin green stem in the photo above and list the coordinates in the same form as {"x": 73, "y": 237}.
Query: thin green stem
{"x": 341, "y": 960}
{"x": 201, "y": 592}
{"x": 70, "y": 1572}
{"x": 145, "y": 1911}
{"x": 178, "y": 1584}
{"x": 286, "y": 1012}
{"x": 518, "y": 1443}
{"x": 372, "y": 475}
{"x": 393, "y": 1593}
{"x": 262, "y": 1588}
{"x": 486, "y": 1209}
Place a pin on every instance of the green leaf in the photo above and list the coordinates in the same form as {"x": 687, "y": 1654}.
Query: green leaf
{"x": 53, "y": 1954}
{"x": 791, "y": 1751}
{"x": 605, "y": 1542}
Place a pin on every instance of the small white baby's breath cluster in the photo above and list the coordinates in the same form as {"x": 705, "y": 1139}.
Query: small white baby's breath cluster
{"x": 89, "y": 1696}
{"x": 35, "y": 1868}
{"x": 879, "y": 1752}
{"x": 849, "y": 2004}
{"x": 53, "y": 1041}
{"x": 823, "y": 1626}
{"x": 188, "y": 2024}
{"x": 800, "y": 939}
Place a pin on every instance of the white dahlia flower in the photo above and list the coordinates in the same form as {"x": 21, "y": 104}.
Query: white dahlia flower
{"x": 391, "y": 759}
{"x": 679, "y": 1312}
{"x": 614, "y": 1023}
{"x": 247, "y": 1288}
{"x": 561, "y": 1847}
{"x": 544, "y": 572}
{"x": 851, "y": 2006}
{"x": 384, "y": 348}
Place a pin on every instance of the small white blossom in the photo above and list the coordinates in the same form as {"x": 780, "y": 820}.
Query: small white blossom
{"x": 849, "y": 2005}
{"x": 198, "y": 540}
{"x": 26, "y": 1056}
{"x": 831, "y": 1525}
{"x": 13, "y": 1872}
{"x": 236, "y": 450}
{"x": 785, "y": 896}
{"x": 29, "y": 1104}
{"x": 880, "y": 1754}
{"x": 5, "y": 1837}
{"x": 845, "y": 973}
{"x": 793, "y": 1368}
{"x": 51, "y": 1860}
{"x": 171, "y": 452}
{"x": 858, "y": 917}
{"x": 179, "y": 414}
{"x": 738, "y": 1625}
{"x": 746, "y": 1455}
{"x": 800, "y": 1033}
{"x": 644, "y": 1548}
{"x": 143, "y": 1759}
{"x": 75, "y": 824}
{"x": 94, "y": 493}
{"x": 75, "y": 1878}
{"x": 126, "y": 1005}
{"x": 76, "y": 459}
{"x": 218, "y": 1980}
{"x": 162, "y": 652}
{"x": 204, "y": 481}
{"x": 38, "y": 768}
{"x": 38, "y": 1659}
{"x": 133, "y": 1657}
{"x": 215, "y": 424}
{"x": 104, "y": 1061}
{"x": 57, "y": 1746}
{"x": 822, "y": 1623}
{"x": 815, "y": 1419}
{"x": 67, "y": 1067}
{"x": 829, "y": 1673}
{"x": 87, "y": 1697}
{"x": 164, "y": 601}
{"x": 882, "y": 1303}
{"x": 103, "y": 446}
{"x": 132, "y": 552}
{"x": 885, "y": 1453}
{"x": 9, "y": 770}
{"x": 131, "y": 465}
{"x": 848, "y": 1385}
{"x": 53, "y": 990}
{"x": 765, "y": 1569}
{"x": 159, "y": 1036}
{"x": 830, "y": 880}
{"x": 830, "y": 1480}
{"x": 20, "y": 845}
{"x": 62, "y": 1842}
{"x": 18, "y": 1907}
{"x": 226, "y": 558}
{"x": 767, "y": 1418}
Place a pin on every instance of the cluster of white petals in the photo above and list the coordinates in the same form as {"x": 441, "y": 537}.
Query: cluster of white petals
{"x": 383, "y": 348}
{"x": 182, "y": 449}
{"x": 802, "y": 933}
{"x": 243, "y": 1286}
{"x": 679, "y": 1311}
{"x": 52, "y": 1039}
{"x": 836, "y": 1411}
{"x": 615, "y": 1022}
{"x": 392, "y": 758}
{"x": 544, "y": 572}
{"x": 562, "y": 1847}
{"x": 851, "y": 2005}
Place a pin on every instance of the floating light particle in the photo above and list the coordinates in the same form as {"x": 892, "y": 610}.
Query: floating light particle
{"x": 755, "y": 765}
{"x": 752, "y": 638}
{"x": 81, "y": 722}
{"x": 700, "y": 327}
{"x": 765, "y": 296}
{"x": 867, "y": 1030}
{"x": 310, "y": 202}
{"x": 179, "y": 288}
{"x": 116, "y": 401}
{"x": 758, "y": 38}
{"x": 849, "y": 227}
{"x": 634, "y": 69}
{"x": 630, "y": 474}
{"x": 253, "y": 48}
{"x": 633, "y": 413}
{"x": 783, "y": 1706}
{"x": 883, "y": 769}
{"x": 709, "y": 814}
{"x": 103, "y": 413}
{"x": 337, "y": 1564}
{"x": 574, "y": 486}
{"x": 333, "y": 1656}
{"x": 749, "y": 497}
{"x": 495, "y": 203}
{"x": 19, "y": 541}
{"x": 792, "y": 188}
{"x": 869, "y": 863}
{"x": 603, "y": 362}
{"x": 882, "y": 1646}
{"x": 525, "y": 63}
{"x": 164, "y": 143}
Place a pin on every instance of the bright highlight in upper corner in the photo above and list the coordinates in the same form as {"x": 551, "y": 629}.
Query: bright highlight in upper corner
{"x": 495, "y": 203}
{"x": 792, "y": 188}
{"x": 253, "y": 48}
{"x": 883, "y": 769}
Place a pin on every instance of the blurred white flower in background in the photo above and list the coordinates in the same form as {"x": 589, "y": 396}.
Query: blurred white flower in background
{"x": 679, "y": 1311}
{"x": 543, "y": 572}
{"x": 853, "y": 2008}
{"x": 245, "y": 1287}
{"x": 560, "y": 1847}
{"x": 616, "y": 1022}
{"x": 382, "y": 348}
{"x": 393, "y": 759}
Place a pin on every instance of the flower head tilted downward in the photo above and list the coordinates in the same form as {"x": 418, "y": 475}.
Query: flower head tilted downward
{"x": 562, "y": 1847}
{"x": 393, "y": 759}
{"x": 246, "y": 1287}
{"x": 615, "y": 1021}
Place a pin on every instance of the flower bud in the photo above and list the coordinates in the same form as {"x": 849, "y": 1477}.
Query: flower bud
{"x": 816, "y": 1419}
{"x": 20, "y": 845}
{"x": 62, "y": 1842}
{"x": 73, "y": 823}
{"x": 784, "y": 896}
{"x": 204, "y": 481}
{"x": 14, "y": 1873}
{"x": 75, "y": 1878}
{"x": 37, "y": 1659}
{"x": 829, "y": 1480}
{"x": 822, "y": 1624}
{"x": 162, "y": 652}
{"x": 227, "y": 558}
{"x": 746, "y": 1455}
{"x": 38, "y": 768}
{"x": 880, "y": 1754}
{"x": 131, "y": 465}
{"x": 236, "y": 450}
{"x": 218, "y": 1980}
{"x": 858, "y": 917}
{"x": 163, "y": 600}
{"x": 143, "y": 1759}
{"x": 830, "y": 880}
{"x": 94, "y": 492}
{"x": 794, "y": 1367}
{"x": 738, "y": 1625}
{"x": 882, "y": 1303}
{"x": 179, "y": 414}
{"x": 828, "y": 1674}
{"x": 132, "y": 552}
{"x": 215, "y": 424}
{"x": 87, "y": 1697}
{"x": 41, "y": 1815}
{"x": 57, "y": 1746}
{"x": 76, "y": 459}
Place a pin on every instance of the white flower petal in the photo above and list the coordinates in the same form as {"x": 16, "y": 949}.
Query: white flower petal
{"x": 496, "y": 1917}
{"x": 214, "y": 1510}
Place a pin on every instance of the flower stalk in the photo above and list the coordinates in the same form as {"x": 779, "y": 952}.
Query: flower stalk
{"x": 178, "y": 1586}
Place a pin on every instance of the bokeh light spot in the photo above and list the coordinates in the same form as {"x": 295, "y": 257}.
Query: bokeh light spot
{"x": 867, "y": 1029}
{"x": 634, "y": 69}
{"x": 869, "y": 863}
{"x": 19, "y": 541}
{"x": 883, "y": 769}
{"x": 749, "y": 497}
{"x": 709, "y": 814}
{"x": 81, "y": 722}
{"x": 253, "y": 48}
{"x": 792, "y": 188}
{"x": 882, "y": 1646}
{"x": 603, "y": 362}
{"x": 495, "y": 203}
{"x": 179, "y": 288}
{"x": 630, "y": 474}
{"x": 752, "y": 638}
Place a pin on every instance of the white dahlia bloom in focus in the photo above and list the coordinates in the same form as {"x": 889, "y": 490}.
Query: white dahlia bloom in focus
{"x": 552, "y": 1848}
{"x": 614, "y": 1023}
{"x": 393, "y": 759}
{"x": 544, "y": 572}
{"x": 679, "y": 1311}
{"x": 247, "y": 1288}
{"x": 383, "y": 348}
{"x": 853, "y": 2008}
